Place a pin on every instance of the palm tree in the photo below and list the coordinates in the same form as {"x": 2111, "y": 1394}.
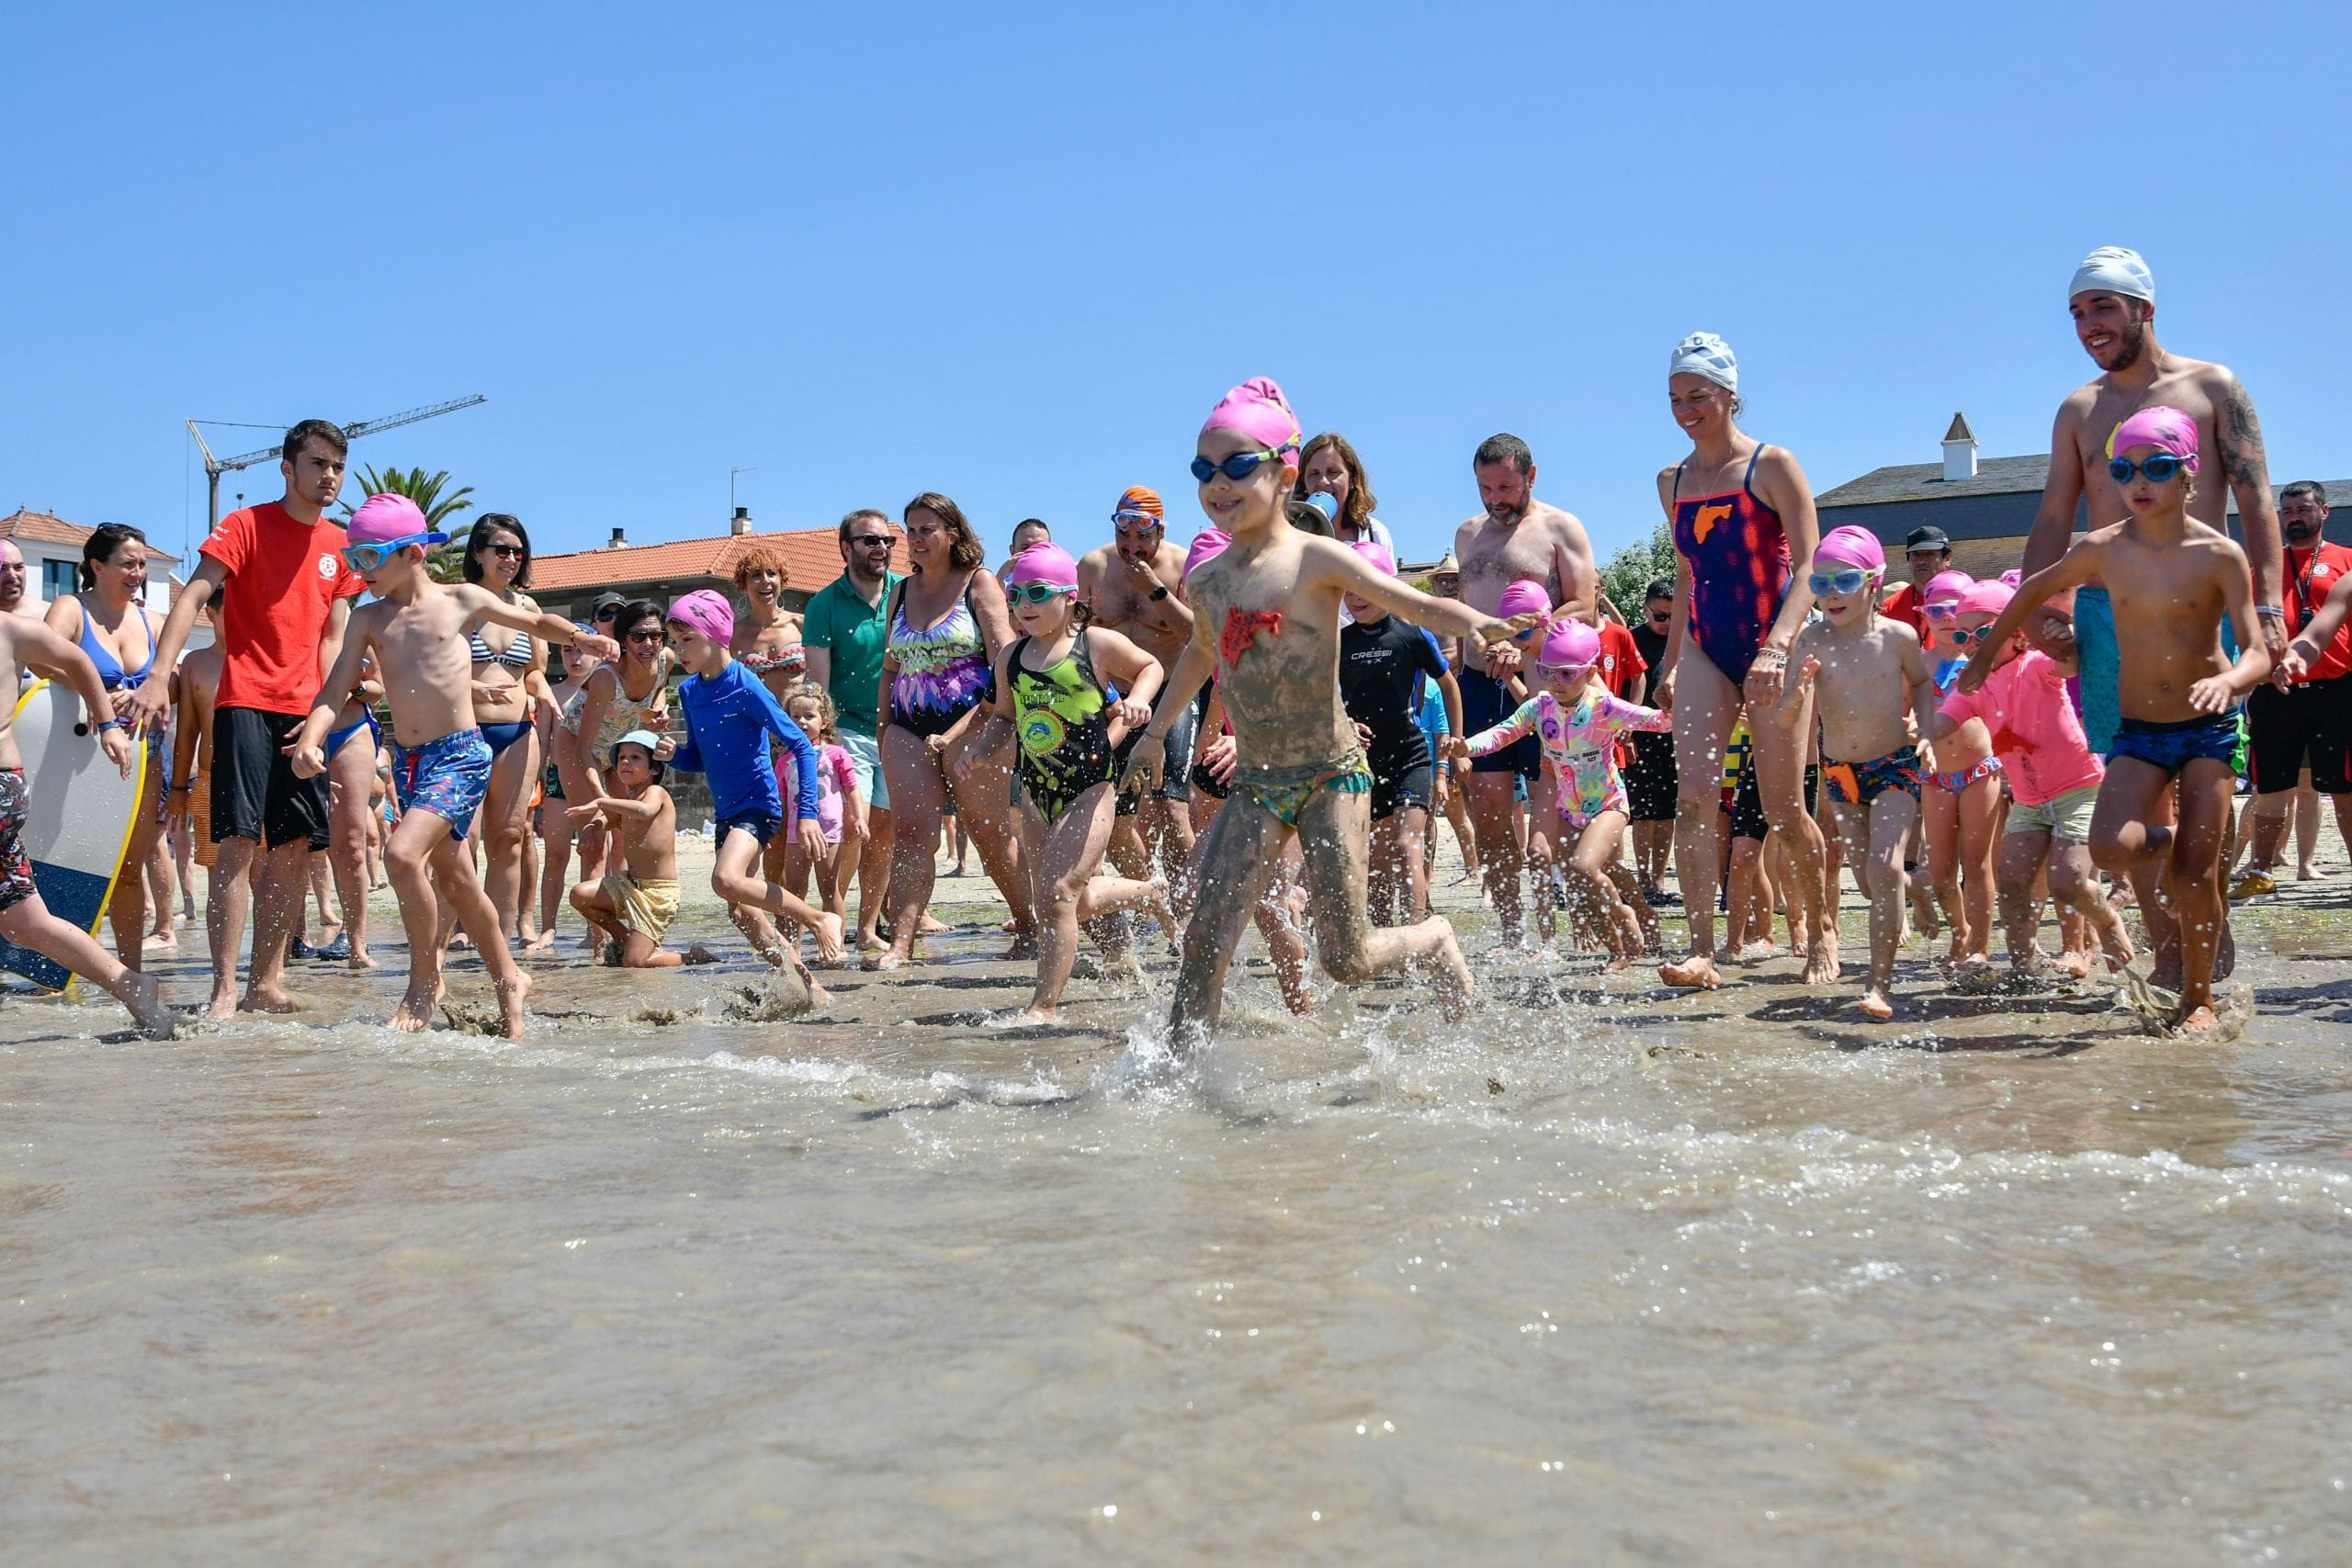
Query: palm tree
{"x": 444, "y": 562}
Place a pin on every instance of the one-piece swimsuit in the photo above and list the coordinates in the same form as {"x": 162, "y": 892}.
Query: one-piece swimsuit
{"x": 1063, "y": 726}
{"x": 1738, "y": 554}
{"x": 942, "y": 669}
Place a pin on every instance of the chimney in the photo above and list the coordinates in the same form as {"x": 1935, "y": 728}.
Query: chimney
{"x": 742, "y": 524}
{"x": 1960, "y": 451}
{"x": 620, "y": 539}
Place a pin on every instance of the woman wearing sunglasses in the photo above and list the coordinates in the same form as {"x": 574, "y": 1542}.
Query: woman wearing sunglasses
{"x": 633, "y": 694}
{"x": 947, "y": 623}
{"x": 510, "y": 678}
{"x": 1741, "y": 512}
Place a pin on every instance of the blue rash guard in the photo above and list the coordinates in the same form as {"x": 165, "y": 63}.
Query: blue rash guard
{"x": 727, "y": 714}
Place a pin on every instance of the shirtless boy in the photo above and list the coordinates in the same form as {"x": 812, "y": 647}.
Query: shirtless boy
{"x": 1857, "y": 667}
{"x": 24, "y": 919}
{"x": 639, "y": 895}
{"x": 2170, "y": 579}
{"x": 418, "y": 631}
{"x": 1134, "y": 586}
{"x": 1516, "y": 537}
{"x": 1268, "y": 620}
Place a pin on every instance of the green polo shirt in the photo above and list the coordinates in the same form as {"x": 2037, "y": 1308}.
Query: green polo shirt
{"x": 855, "y": 635}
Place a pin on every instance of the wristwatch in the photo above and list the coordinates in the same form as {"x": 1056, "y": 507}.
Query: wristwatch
{"x": 1158, "y": 594}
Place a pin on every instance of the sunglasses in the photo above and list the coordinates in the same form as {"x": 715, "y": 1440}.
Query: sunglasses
{"x": 1962, "y": 636}
{"x": 1034, "y": 593}
{"x": 1663, "y": 613}
{"x": 1941, "y": 612}
{"x": 608, "y": 612}
{"x": 645, "y": 638}
{"x": 367, "y": 558}
{"x": 506, "y": 552}
{"x": 1238, "y": 467}
{"x": 1135, "y": 521}
{"x": 2159, "y": 469}
{"x": 867, "y": 541}
{"x": 1824, "y": 583}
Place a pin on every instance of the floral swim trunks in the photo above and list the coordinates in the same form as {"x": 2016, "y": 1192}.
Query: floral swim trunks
{"x": 15, "y": 867}
{"x": 448, "y": 777}
{"x": 1859, "y": 783}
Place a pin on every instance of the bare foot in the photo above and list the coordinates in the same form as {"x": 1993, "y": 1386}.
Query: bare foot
{"x": 929, "y": 926}
{"x": 2309, "y": 874}
{"x": 1454, "y": 985}
{"x": 417, "y": 1007}
{"x": 1923, "y": 910}
{"x": 888, "y": 958}
{"x": 698, "y": 953}
{"x": 223, "y": 1004}
{"x": 543, "y": 943}
{"x": 2115, "y": 948}
{"x": 1873, "y": 1004}
{"x": 1025, "y": 946}
{"x": 830, "y": 952}
{"x": 1821, "y": 961}
{"x": 1696, "y": 972}
{"x": 2197, "y": 1021}
{"x": 267, "y": 998}
{"x": 360, "y": 959}
{"x": 510, "y": 1003}
{"x": 161, "y": 942}
{"x": 143, "y": 994}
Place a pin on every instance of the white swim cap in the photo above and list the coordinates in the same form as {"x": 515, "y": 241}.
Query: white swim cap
{"x": 1704, "y": 353}
{"x": 2112, "y": 269}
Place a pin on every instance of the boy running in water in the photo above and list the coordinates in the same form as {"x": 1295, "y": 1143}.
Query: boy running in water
{"x": 418, "y": 630}
{"x": 1268, "y": 622}
{"x": 1862, "y": 665}
{"x": 639, "y": 896}
{"x": 2170, "y": 579}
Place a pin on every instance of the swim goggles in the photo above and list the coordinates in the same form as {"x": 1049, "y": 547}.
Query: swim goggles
{"x": 1238, "y": 467}
{"x": 1562, "y": 671}
{"x": 1127, "y": 522}
{"x": 2159, "y": 469}
{"x": 1824, "y": 583}
{"x": 1962, "y": 635}
{"x": 367, "y": 558}
{"x": 1035, "y": 593}
{"x": 1943, "y": 612}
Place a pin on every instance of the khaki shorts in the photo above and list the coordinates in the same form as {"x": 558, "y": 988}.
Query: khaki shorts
{"x": 2066, "y": 817}
{"x": 646, "y": 908}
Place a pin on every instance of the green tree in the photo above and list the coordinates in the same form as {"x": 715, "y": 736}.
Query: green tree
{"x": 444, "y": 562}
{"x": 1632, "y": 570}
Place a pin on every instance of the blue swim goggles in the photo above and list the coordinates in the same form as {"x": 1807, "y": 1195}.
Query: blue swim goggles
{"x": 367, "y": 558}
{"x": 1238, "y": 467}
{"x": 2159, "y": 469}
{"x": 1824, "y": 583}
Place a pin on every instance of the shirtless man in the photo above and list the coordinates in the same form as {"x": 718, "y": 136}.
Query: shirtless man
{"x": 1269, "y": 621}
{"x": 1516, "y": 537}
{"x": 2113, "y": 299}
{"x": 1134, "y": 586}
{"x": 14, "y": 600}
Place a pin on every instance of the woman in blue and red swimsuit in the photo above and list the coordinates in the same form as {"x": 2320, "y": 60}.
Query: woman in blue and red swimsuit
{"x": 1742, "y": 512}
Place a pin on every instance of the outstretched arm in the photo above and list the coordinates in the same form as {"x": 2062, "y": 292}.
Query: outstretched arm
{"x": 62, "y": 659}
{"x": 2076, "y": 567}
{"x": 307, "y": 748}
{"x": 2310, "y": 644}
{"x": 1357, "y": 576}
{"x": 146, "y": 707}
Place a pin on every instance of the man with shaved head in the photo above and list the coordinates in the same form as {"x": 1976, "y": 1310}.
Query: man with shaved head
{"x": 14, "y": 600}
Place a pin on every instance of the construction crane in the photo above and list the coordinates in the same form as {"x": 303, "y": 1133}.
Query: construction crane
{"x": 215, "y": 467}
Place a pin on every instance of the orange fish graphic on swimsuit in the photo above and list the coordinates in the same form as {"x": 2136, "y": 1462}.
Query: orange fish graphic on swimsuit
{"x": 1704, "y": 524}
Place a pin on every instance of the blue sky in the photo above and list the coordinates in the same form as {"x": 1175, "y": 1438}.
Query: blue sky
{"x": 1016, "y": 253}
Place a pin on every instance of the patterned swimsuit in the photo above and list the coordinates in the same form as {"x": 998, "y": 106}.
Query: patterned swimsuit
{"x": 942, "y": 670}
{"x": 1738, "y": 554}
{"x": 1580, "y": 743}
{"x": 1064, "y": 728}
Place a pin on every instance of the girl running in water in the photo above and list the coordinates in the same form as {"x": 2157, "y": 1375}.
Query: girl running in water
{"x": 1741, "y": 512}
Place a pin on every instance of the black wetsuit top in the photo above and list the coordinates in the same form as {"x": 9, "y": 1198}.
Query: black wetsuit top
{"x": 1381, "y": 665}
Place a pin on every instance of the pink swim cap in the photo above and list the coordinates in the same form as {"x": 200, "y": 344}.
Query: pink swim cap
{"x": 1258, "y": 411}
{"x": 1571, "y": 644}
{"x": 1522, "y": 596}
{"x": 1206, "y": 548}
{"x": 1377, "y": 554}
{"x": 1987, "y": 599}
{"x": 1045, "y": 561}
{"x": 1850, "y": 546}
{"x": 2166, "y": 429}
{"x": 706, "y": 612}
{"x": 382, "y": 517}
{"x": 1947, "y": 585}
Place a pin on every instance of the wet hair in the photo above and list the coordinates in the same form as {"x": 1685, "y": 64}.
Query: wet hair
{"x": 864, "y": 514}
{"x": 1504, "y": 449}
{"x": 651, "y": 760}
{"x": 1662, "y": 588}
{"x": 1307, "y": 519}
{"x": 2306, "y": 489}
{"x": 1361, "y": 500}
{"x": 815, "y": 691}
{"x": 104, "y": 540}
{"x": 966, "y": 552}
{"x": 633, "y": 615}
{"x": 760, "y": 558}
{"x": 325, "y": 430}
{"x": 478, "y": 534}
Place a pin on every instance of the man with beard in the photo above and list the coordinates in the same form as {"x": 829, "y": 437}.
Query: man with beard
{"x": 2113, "y": 300}
{"x": 1134, "y": 586}
{"x": 2302, "y": 719}
{"x": 1516, "y": 537}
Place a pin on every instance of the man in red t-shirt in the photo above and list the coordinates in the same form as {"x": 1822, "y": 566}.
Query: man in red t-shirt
{"x": 285, "y": 596}
{"x": 1927, "y": 552}
{"x": 2303, "y": 721}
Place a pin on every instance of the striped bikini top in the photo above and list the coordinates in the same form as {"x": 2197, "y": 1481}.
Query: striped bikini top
{"x": 515, "y": 655}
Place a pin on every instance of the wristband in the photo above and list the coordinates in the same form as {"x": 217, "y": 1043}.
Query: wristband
{"x": 177, "y": 789}
{"x": 114, "y": 724}
{"x": 2270, "y": 610}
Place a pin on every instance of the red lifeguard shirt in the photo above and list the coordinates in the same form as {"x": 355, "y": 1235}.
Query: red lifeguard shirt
{"x": 1621, "y": 664}
{"x": 2311, "y": 576}
{"x": 1906, "y": 607}
{"x": 283, "y": 577}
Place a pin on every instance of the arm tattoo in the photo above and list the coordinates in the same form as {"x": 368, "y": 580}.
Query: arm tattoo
{"x": 2243, "y": 460}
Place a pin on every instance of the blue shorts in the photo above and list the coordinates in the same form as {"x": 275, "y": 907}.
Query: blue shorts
{"x": 762, "y": 825}
{"x": 865, "y": 756}
{"x": 448, "y": 777}
{"x": 1486, "y": 703}
{"x": 2174, "y": 746}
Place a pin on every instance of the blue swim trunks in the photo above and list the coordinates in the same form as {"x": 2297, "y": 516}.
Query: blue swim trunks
{"x": 448, "y": 777}
{"x": 762, "y": 825}
{"x": 2174, "y": 746}
{"x": 1859, "y": 783}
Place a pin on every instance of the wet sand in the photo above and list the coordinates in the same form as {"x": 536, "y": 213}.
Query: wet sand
{"x": 1609, "y": 1273}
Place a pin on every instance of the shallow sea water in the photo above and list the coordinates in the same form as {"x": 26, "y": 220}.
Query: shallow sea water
{"x": 1605, "y": 1274}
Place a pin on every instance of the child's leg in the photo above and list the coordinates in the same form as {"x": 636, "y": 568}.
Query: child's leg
{"x": 747, "y": 895}
{"x": 349, "y": 773}
{"x": 1891, "y": 816}
{"x": 597, "y": 908}
{"x": 1063, "y": 859}
{"x": 555, "y": 834}
{"x": 2196, "y": 845}
{"x": 2075, "y": 885}
{"x": 2021, "y": 858}
{"x": 408, "y": 859}
{"x": 28, "y": 924}
{"x": 1411, "y": 827}
{"x": 1333, "y": 827}
{"x": 1980, "y": 823}
{"x": 1850, "y": 827}
{"x": 1596, "y": 873}
{"x": 1939, "y": 827}
{"x": 454, "y": 878}
{"x": 1739, "y": 896}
